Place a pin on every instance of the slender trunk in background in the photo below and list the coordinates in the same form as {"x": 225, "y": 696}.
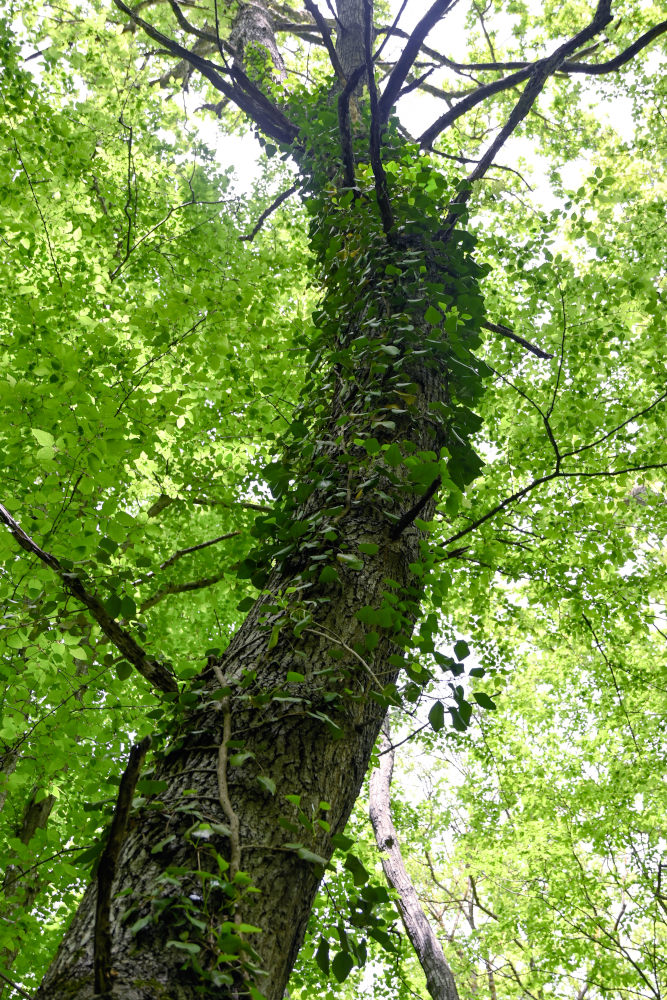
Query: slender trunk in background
{"x": 440, "y": 980}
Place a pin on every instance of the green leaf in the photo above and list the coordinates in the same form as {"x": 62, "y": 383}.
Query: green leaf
{"x": 461, "y": 650}
{"x": 436, "y": 716}
{"x": 123, "y": 670}
{"x": 329, "y": 575}
{"x": 43, "y": 438}
{"x": 433, "y": 316}
{"x": 268, "y": 784}
{"x": 359, "y": 873}
{"x": 314, "y": 859}
{"x": 342, "y": 965}
{"x": 350, "y": 561}
{"x": 322, "y": 956}
{"x": 484, "y": 701}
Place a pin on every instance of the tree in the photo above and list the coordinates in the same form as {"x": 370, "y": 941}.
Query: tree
{"x": 369, "y": 507}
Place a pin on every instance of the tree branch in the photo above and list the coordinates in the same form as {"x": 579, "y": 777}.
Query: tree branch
{"x": 328, "y": 41}
{"x": 159, "y": 675}
{"x": 470, "y": 101}
{"x": 406, "y": 60}
{"x": 523, "y": 70}
{"x": 414, "y": 512}
{"x": 381, "y": 188}
{"x": 197, "y": 548}
{"x": 538, "y": 77}
{"x": 248, "y": 97}
{"x": 107, "y": 869}
{"x": 439, "y": 978}
{"x": 344, "y": 129}
{"x": 276, "y": 203}
{"x": 506, "y": 331}
{"x": 520, "y": 494}
{"x": 180, "y": 588}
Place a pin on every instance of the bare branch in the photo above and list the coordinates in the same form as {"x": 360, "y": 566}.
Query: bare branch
{"x": 409, "y": 54}
{"x": 328, "y": 41}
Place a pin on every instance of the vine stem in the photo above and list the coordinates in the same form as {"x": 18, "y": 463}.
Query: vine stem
{"x": 223, "y": 790}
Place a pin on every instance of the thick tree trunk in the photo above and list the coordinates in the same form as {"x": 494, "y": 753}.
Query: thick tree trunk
{"x": 440, "y": 981}
{"x": 316, "y": 746}
{"x": 270, "y": 756}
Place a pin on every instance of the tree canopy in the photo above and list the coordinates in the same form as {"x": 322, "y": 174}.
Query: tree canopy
{"x": 381, "y": 430}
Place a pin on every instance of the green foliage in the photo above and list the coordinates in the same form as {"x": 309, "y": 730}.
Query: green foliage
{"x": 170, "y": 410}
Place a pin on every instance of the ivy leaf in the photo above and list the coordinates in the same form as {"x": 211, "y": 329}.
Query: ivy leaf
{"x": 267, "y": 783}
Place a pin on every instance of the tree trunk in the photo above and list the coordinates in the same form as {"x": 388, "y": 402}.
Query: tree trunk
{"x": 274, "y": 739}
{"x": 316, "y": 744}
{"x": 440, "y": 981}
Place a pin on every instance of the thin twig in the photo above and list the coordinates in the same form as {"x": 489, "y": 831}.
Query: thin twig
{"x": 181, "y": 588}
{"x": 197, "y": 548}
{"x": 561, "y": 356}
{"x": 10, "y": 982}
{"x": 276, "y": 203}
{"x": 44, "y": 226}
{"x": 613, "y": 677}
{"x": 341, "y": 642}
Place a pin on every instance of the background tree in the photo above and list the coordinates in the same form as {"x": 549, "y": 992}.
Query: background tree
{"x": 141, "y": 441}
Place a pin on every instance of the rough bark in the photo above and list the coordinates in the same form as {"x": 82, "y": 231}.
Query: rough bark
{"x": 291, "y": 743}
{"x": 350, "y": 34}
{"x": 315, "y": 742}
{"x": 440, "y": 980}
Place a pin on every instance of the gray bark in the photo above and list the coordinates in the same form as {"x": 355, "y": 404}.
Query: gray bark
{"x": 440, "y": 980}
{"x": 350, "y": 34}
